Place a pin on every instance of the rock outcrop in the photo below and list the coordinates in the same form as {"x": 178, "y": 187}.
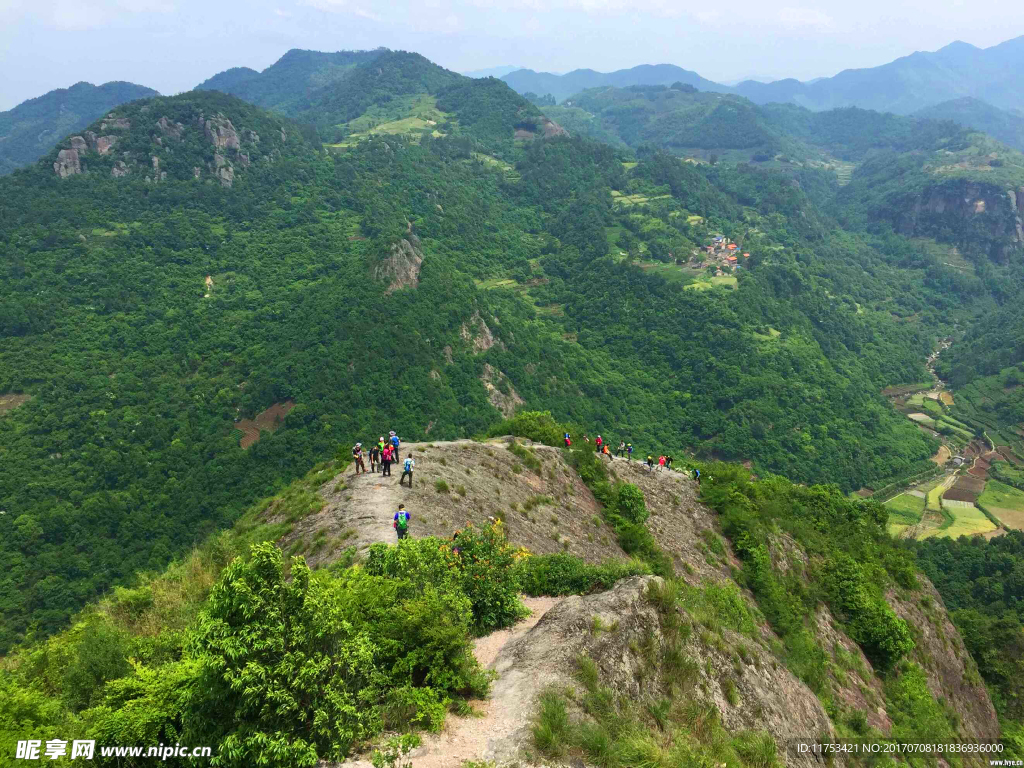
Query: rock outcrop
{"x": 67, "y": 163}
{"x": 476, "y": 333}
{"x": 401, "y": 268}
{"x": 115, "y": 123}
{"x": 221, "y": 133}
{"x": 500, "y": 393}
{"x": 119, "y": 169}
{"x": 167, "y": 128}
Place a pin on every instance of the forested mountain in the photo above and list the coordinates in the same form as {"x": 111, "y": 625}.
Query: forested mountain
{"x": 286, "y": 85}
{"x": 113, "y": 235}
{"x": 205, "y": 297}
{"x": 1001, "y": 124}
{"x": 34, "y": 126}
{"x": 564, "y": 86}
{"x": 910, "y": 83}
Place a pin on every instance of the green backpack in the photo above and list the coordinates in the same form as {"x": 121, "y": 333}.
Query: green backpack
{"x": 403, "y": 521}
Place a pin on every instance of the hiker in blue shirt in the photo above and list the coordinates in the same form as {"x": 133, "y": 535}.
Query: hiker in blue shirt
{"x": 394, "y": 447}
{"x": 407, "y": 469}
{"x": 696, "y": 476}
{"x": 401, "y": 524}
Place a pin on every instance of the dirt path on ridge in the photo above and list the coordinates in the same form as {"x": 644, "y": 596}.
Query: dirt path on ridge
{"x": 468, "y": 738}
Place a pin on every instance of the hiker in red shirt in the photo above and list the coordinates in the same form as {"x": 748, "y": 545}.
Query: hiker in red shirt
{"x": 598, "y": 442}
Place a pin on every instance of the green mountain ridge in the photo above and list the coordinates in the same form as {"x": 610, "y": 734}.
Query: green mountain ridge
{"x": 34, "y": 126}
{"x": 1004, "y": 125}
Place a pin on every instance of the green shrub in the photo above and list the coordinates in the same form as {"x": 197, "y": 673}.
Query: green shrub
{"x": 484, "y": 569}
{"x": 562, "y": 574}
{"x": 630, "y": 504}
{"x": 441, "y": 486}
{"x": 538, "y": 426}
{"x": 528, "y": 457}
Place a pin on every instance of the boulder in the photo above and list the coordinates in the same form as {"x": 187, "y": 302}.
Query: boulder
{"x": 78, "y": 144}
{"x": 67, "y": 163}
{"x": 119, "y": 169}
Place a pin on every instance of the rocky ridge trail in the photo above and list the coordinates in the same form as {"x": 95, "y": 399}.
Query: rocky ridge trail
{"x": 549, "y": 510}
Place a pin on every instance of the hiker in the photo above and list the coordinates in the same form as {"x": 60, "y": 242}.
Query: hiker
{"x": 407, "y": 469}
{"x": 629, "y": 451}
{"x": 374, "y": 458}
{"x": 357, "y": 455}
{"x": 668, "y": 462}
{"x": 622, "y": 448}
{"x": 394, "y": 447}
{"x": 401, "y": 524}
{"x": 661, "y": 463}
{"x": 586, "y": 437}
{"x": 696, "y": 476}
{"x": 386, "y": 462}
{"x": 650, "y": 463}
{"x": 598, "y": 443}
{"x": 568, "y": 441}
{"x": 381, "y": 444}
{"x": 607, "y": 452}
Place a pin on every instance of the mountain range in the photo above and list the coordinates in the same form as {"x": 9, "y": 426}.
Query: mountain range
{"x": 903, "y": 86}
{"x": 983, "y": 85}
{"x": 214, "y": 300}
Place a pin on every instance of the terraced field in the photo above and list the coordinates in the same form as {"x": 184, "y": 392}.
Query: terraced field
{"x": 1005, "y": 502}
{"x": 968, "y": 520}
{"x": 269, "y": 420}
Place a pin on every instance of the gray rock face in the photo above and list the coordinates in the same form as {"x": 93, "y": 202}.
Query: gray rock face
{"x": 221, "y": 133}
{"x": 119, "y": 169}
{"x": 402, "y": 267}
{"x": 167, "y": 128}
{"x": 78, "y": 144}
{"x": 226, "y": 174}
{"x": 67, "y": 163}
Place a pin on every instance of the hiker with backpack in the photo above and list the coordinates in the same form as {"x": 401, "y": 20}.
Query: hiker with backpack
{"x": 407, "y": 470}
{"x": 395, "y": 456}
{"x": 629, "y": 451}
{"x": 668, "y": 462}
{"x": 374, "y": 458}
{"x": 622, "y": 448}
{"x": 696, "y": 476}
{"x": 401, "y": 524}
{"x": 386, "y": 462}
{"x": 650, "y": 463}
{"x": 568, "y": 440}
{"x": 598, "y": 443}
{"x": 357, "y": 456}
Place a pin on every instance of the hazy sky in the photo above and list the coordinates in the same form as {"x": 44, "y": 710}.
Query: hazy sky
{"x": 172, "y": 45}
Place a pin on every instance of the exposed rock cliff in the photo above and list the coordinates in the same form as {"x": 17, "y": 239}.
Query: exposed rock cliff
{"x": 401, "y": 268}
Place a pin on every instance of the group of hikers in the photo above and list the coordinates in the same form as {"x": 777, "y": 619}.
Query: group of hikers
{"x": 383, "y": 454}
{"x": 601, "y": 446}
{"x": 386, "y": 452}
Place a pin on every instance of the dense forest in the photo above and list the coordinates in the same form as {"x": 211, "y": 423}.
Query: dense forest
{"x": 136, "y": 378}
